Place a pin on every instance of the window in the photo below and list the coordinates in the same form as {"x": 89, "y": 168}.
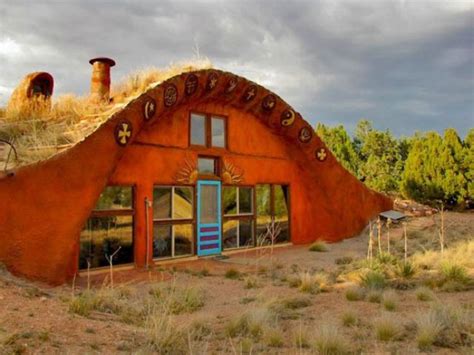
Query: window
{"x": 272, "y": 204}
{"x": 173, "y": 212}
{"x": 109, "y": 229}
{"x": 207, "y": 130}
{"x": 207, "y": 166}
{"x": 238, "y": 213}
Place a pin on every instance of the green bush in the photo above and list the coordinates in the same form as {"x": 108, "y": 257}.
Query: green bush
{"x": 374, "y": 280}
{"x": 319, "y": 246}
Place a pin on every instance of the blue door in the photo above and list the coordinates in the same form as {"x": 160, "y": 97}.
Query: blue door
{"x": 209, "y": 228}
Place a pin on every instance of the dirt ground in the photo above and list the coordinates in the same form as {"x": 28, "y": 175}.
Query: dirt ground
{"x": 36, "y": 319}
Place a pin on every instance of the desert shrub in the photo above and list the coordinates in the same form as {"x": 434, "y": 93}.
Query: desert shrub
{"x": 301, "y": 338}
{"x": 296, "y": 302}
{"x": 313, "y": 283}
{"x": 424, "y": 294}
{"x": 274, "y": 338}
{"x": 330, "y": 340}
{"x": 389, "y": 300}
{"x": 457, "y": 325}
{"x": 199, "y": 329}
{"x": 355, "y": 294}
{"x": 386, "y": 258}
{"x": 286, "y": 308}
{"x": 250, "y": 282}
{"x": 102, "y": 300}
{"x": 405, "y": 269}
{"x": 374, "y": 296}
{"x": 349, "y": 319}
{"x": 387, "y": 328}
{"x": 428, "y": 327}
{"x": 251, "y": 324}
{"x": 185, "y": 300}
{"x": 232, "y": 274}
{"x": 319, "y": 246}
{"x": 373, "y": 280}
{"x": 162, "y": 336}
{"x": 344, "y": 260}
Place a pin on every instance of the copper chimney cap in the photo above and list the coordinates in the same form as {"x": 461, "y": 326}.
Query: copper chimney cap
{"x": 106, "y": 60}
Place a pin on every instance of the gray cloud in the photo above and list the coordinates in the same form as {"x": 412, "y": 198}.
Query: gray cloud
{"x": 406, "y": 65}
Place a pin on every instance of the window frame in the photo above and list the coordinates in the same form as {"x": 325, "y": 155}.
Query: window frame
{"x": 208, "y": 130}
{"x": 98, "y": 213}
{"x": 240, "y": 217}
{"x": 176, "y": 221}
{"x": 272, "y": 203}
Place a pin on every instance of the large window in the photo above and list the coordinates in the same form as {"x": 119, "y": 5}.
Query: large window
{"x": 238, "y": 213}
{"x": 272, "y": 204}
{"x": 109, "y": 230}
{"x": 207, "y": 130}
{"x": 173, "y": 211}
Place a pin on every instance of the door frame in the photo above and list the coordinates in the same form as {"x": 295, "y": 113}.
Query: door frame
{"x": 213, "y": 251}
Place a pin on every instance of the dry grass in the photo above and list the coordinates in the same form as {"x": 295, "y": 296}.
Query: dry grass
{"x": 330, "y": 340}
{"x": 428, "y": 327}
{"x": 38, "y": 132}
{"x": 312, "y": 283}
{"x": 319, "y": 246}
{"x": 387, "y": 328}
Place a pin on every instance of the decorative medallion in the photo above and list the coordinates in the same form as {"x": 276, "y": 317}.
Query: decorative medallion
{"x": 321, "y": 154}
{"x": 149, "y": 109}
{"x": 250, "y": 93}
{"x": 191, "y": 84}
{"x": 123, "y": 132}
{"x": 231, "y": 85}
{"x": 269, "y": 102}
{"x": 287, "y": 117}
{"x": 187, "y": 173}
{"x": 170, "y": 95}
{"x": 212, "y": 81}
{"x": 231, "y": 174}
{"x": 305, "y": 135}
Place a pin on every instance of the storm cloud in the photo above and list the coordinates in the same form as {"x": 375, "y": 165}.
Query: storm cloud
{"x": 405, "y": 65}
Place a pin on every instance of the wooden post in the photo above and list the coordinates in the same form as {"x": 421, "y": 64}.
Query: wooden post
{"x": 389, "y": 221}
{"x": 370, "y": 248}
{"x": 379, "y": 234}
{"x": 441, "y": 234}
{"x": 405, "y": 237}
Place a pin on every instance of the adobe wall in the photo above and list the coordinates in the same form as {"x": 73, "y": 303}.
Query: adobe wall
{"x": 44, "y": 206}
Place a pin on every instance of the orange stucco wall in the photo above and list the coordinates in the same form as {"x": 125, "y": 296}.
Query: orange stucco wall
{"x": 44, "y": 206}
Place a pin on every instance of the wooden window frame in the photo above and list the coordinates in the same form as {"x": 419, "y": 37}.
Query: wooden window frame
{"x": 208, "y": 130}
{"x": 240, "y": 217}
{"x": 116, "y": 212}
{"x": 176, "y": 221}
{"x": 217, "y": 168}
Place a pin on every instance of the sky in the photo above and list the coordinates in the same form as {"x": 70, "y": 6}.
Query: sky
{"x": 405, "y": 65}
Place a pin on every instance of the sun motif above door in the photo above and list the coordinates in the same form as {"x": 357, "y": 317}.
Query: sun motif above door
{"x": 188, "y": 172}
{"x": 230, "y": 173}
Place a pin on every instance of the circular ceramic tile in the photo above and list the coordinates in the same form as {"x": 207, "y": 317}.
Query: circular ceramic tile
{"x": 149, "y": 109}
{"x": 212, "y": 80}
{"x": 231, "y": 85}
{"x": 287, "y": 117}
{"x": 305, "y": 134}
{"x": 170, "y": 95}
{"x": 250, "y": 93}
{"x": 321, "y": 154}
{"x": 123, "y": 132}
{"x": 191, "y": 84}
{"x": 269, "y": 102}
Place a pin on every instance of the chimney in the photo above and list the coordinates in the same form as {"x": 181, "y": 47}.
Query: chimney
{"x": 100, "y": 81}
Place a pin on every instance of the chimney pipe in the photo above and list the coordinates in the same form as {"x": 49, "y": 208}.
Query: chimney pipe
{"x": 100, "y": 81}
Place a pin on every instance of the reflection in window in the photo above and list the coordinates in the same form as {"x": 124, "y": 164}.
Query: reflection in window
{"x": 173, "y": 215}
{"x": 238, "y": 214}
{"x": 207, "y": 166}
{"x": 218, "y": 132}
{"x": 272, "y": 207}
{"x": 198, "y": 129}
{"x": 108, "y": 229}
{"x": 115, "y": 197}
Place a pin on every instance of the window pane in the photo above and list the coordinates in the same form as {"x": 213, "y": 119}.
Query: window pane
{"x": 198, "y": 129}
{"x": 161, "y": 241}
{"x": 183, "y": 239}
{"x": 218, "y": 132}
{"x": 229, "y": 198}
{"x": 281, "y": 212}
{"x": 183, "y": 202}
{"x": 104, "y": 236}
{"x": 230, "y": 234}
{"x": 161, "y": 202}
{"x": 115, "y": 197}
{"x": 245, "y": 233}
{"x": 206, "y": 166}
{"x": 245, "y": 200}
{"x": 263, "y": 212}
{"x": 208, "y": 204}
